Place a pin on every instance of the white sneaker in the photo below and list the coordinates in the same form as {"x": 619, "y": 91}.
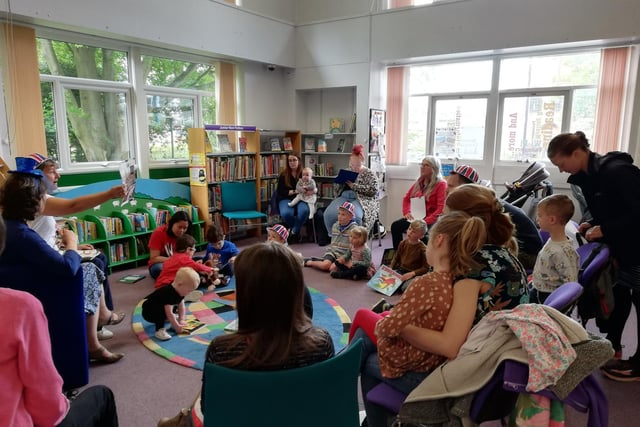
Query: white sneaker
{"x": 193, "y": 296}
{"x": 162, "y": 335}
{"x": 104, "y": 334}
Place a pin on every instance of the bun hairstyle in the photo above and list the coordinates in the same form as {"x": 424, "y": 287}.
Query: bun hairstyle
{"x": 358, "y": 150}
{"x": 566, "y": 143}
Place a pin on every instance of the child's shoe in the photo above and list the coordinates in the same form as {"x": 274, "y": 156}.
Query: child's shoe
{"x": 193, "y": 296}
{"x": 162, "y": 335}
{"x": 104, "y": 334}
{"x": 381, "y": 306}
{"x": 339, "y": 274}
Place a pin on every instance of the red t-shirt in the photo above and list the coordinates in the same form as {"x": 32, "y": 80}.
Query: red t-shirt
{"x": 171, "y": 266}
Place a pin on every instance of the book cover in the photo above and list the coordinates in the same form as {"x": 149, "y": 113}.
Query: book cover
{"x": 352, "y": 129}
{"x": 224, "y": 143}
{"x": 309, "y": 144}
{"x": 340, "y": 148}
{"x": 311, "y": 161}
{"x": 85, "y": 254}
{"x": 345, "y": 175}
{"x": 386, "y": 281}
{"x": 275, "y": 144}
{"x": 322, "y": 146}
{"x": 191, "y": 325}
{"x": 336, "y": 125}
{"x": 242, "y": 142}
{"x": 286, "y": 142}
{"x": 131, "y": 278}
{"x": 387, "y": 256}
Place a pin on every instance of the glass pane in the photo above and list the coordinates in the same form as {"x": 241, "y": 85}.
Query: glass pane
{"x": 169, "y": 118}
{"x": 77, "y": 60}
{"x": 418, "y": 113}
{"x": 165, "y": 72}
{"x": 97, "y": 125}
{"x": 50, "y": 128}
{"x": 583, "y": 111}
{"x": 550, "y": 71}
{"x": 450, "y": 78}
{"x": 459, "y": 128}
{"x": 528, "y": 124}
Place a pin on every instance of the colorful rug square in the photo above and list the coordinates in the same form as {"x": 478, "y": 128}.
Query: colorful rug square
{"x": 216, "y": 310}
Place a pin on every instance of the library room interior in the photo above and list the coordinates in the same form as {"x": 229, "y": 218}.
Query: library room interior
{"x": 437, "y": 196}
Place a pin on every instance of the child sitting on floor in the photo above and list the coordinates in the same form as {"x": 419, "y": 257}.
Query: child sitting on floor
{"x": 453, "y": 241}
{"x": 220, "y": 253}
{"x": 557, "y": 262}
{"x": 409, "y": 259}
{"x": 340, "y": 233}
{"x": 183, "y": 257}
{"x": 305, "y": 184}
{"x": 356, "y": 262}
{"x": 158, "y": 306}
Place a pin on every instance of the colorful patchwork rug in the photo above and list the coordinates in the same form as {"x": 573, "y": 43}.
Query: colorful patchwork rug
{"x": 216, "y": 310}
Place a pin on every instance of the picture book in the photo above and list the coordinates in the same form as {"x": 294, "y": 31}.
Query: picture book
{"x": 85, "y": 254}
{"x": 224, "y": 143}
{"x": 386, "y": 281}
{"x": 192, "y": 325}
{"x": 232, "y": 326}
{"x": 131, "y": 278}
{"x": 286, "y": 142}
{"x": 309, "y": 144}
{"x": 311, "y": 161}
{"x": 340, "y": 148}
{"x": 387, "y": 256}
{"x": 128, "y": 176}
{"x": 336, "y": 125}
{"x": 275, "y": 144}
{"x": 242, "y": 142}
{"x": 345, "y": 175}
{"x": 322, "y": 146}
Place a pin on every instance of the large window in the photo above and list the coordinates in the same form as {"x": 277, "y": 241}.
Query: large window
{"x": 89, "y": 109}
{"x": 453, "y": 108}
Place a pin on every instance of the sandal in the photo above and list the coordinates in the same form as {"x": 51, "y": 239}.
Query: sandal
{"x": 102, "y": 355}
{"x": 114, "y": 319}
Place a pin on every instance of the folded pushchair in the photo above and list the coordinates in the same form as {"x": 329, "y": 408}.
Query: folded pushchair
{"x": 532, "y": 184}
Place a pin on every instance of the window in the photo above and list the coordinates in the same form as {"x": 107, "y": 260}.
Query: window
{"x": 534, "y": 98}
{"x": 89, "y": 113}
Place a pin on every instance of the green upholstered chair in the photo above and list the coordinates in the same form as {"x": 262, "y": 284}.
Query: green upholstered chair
{"x": 239, "y": 204}
{"x": 319, "y": 395}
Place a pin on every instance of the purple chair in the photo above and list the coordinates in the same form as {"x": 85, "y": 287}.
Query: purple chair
{"x": 565, "y": 297}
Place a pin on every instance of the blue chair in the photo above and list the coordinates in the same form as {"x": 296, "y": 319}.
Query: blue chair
{"x": 239, "y": 204}
{"x": 318, "y": 395}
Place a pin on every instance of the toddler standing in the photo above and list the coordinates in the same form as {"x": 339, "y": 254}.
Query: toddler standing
{"x": 305, "y": 184}
{"x": 356, "y": 262}
{"x": 158, "y": 306}
{"x": 557, "y": 262}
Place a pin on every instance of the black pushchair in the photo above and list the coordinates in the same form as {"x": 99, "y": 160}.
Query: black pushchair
{"x": 533, "y": 183}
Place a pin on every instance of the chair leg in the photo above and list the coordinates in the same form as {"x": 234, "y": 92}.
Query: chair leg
{"x": 313, "y": 225}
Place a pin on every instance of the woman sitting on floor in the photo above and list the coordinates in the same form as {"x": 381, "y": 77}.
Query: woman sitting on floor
{"x": 162, "y": 242}
{"x": 273, "y": 331}
{"x": 28, "y": 260}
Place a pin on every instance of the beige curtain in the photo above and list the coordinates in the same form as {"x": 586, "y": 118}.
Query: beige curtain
{"x": 610, "y": 102}
{"x": 395, "y": 114}
{"x": 400, "y": 3}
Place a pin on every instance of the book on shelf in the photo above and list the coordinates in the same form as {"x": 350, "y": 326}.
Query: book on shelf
{"x": 322, "y": 146}
{"x": 387, "y": 256}
{"x": 212, "y": 142}
{"x": 352, "y": 129}
{"x": 309, "y": 144}
{"x": 386, "y": 281}
{"x": 336, "y": 125}
{"x": 131, "y": 278}
{"x": 275, "y": 144}
{"x": 191, "y": 325}
{"x": 345, "y": 175}
{"x": 311, "y": 161}
{"x": 242, "y": 144}
{"x": 286, "y": 143}
{"x": 224, "y": 143}
{"x": 329, "y": 168}
{"x": 340, "y": 147}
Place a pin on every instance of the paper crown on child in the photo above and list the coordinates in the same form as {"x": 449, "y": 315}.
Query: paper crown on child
{"x": 28, "y": 166}
{"x": 468, "y": 172}
{"x": 280, "y": 231}
{"x": 349, "y": 206}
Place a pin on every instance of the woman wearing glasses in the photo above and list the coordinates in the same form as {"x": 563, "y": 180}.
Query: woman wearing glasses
{"x": 432, "y": 188}
{"x": 293, "y": 216}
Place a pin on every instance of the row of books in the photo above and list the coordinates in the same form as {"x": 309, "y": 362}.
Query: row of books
{"x": 191, "y": 210}
{"x": 86, "y": 230}
{"x": 231, "y": 168}
{"x": 119, "y": 252}
{"x": 215, "y": 197}
{"x": 275, "y": 144}
{"x": 320, "y": 145}
{"x": 267, "y": 188}
{"x": 112, "y": 226}
{"x": 327, "y": 190}
{"x": 139, "y": 221}
{"x": 272, "y": 164}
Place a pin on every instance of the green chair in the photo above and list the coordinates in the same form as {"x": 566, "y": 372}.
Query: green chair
{"x": 239, "y": 204}
{"x": 319, "y": 395}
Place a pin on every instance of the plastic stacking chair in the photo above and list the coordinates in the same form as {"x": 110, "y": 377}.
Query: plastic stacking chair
{"x": 239, "y": 204}
{"x": 565, "y": 297}
{"x": 319, "y": 395}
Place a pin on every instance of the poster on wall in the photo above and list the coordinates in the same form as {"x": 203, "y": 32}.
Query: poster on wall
{"x": 376, "y": 130}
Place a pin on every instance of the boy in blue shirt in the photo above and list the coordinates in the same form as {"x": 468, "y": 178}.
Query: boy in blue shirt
{"x": 220, "y": 253}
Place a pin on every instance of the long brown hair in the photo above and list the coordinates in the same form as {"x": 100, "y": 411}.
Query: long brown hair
{"x": 466, "y": 236}
{"x": 566, "y": 143}
{"x": 269, "y": 301}
{"x": 288, "y": 172}
{"x": 481, "y": 201}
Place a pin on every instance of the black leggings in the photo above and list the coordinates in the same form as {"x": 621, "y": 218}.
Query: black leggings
{"x": 94, "y": 407}
{"x": 624, "y": 296}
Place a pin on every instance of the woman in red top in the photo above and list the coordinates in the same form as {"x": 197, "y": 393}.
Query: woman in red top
{"x": 162, "y": 242}
{"x": 429, "y": 185}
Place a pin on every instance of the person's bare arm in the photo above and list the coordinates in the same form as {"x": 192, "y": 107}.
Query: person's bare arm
{"x": 448, "y": 341}
{"x": 58, "y": 206}
{"x": 155, "y": 257}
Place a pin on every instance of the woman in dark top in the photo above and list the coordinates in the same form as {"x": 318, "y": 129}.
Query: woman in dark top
{"x": 610, "y": 184}
{"x": 273, "y": 331}
{"x": 293, "y": 216}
